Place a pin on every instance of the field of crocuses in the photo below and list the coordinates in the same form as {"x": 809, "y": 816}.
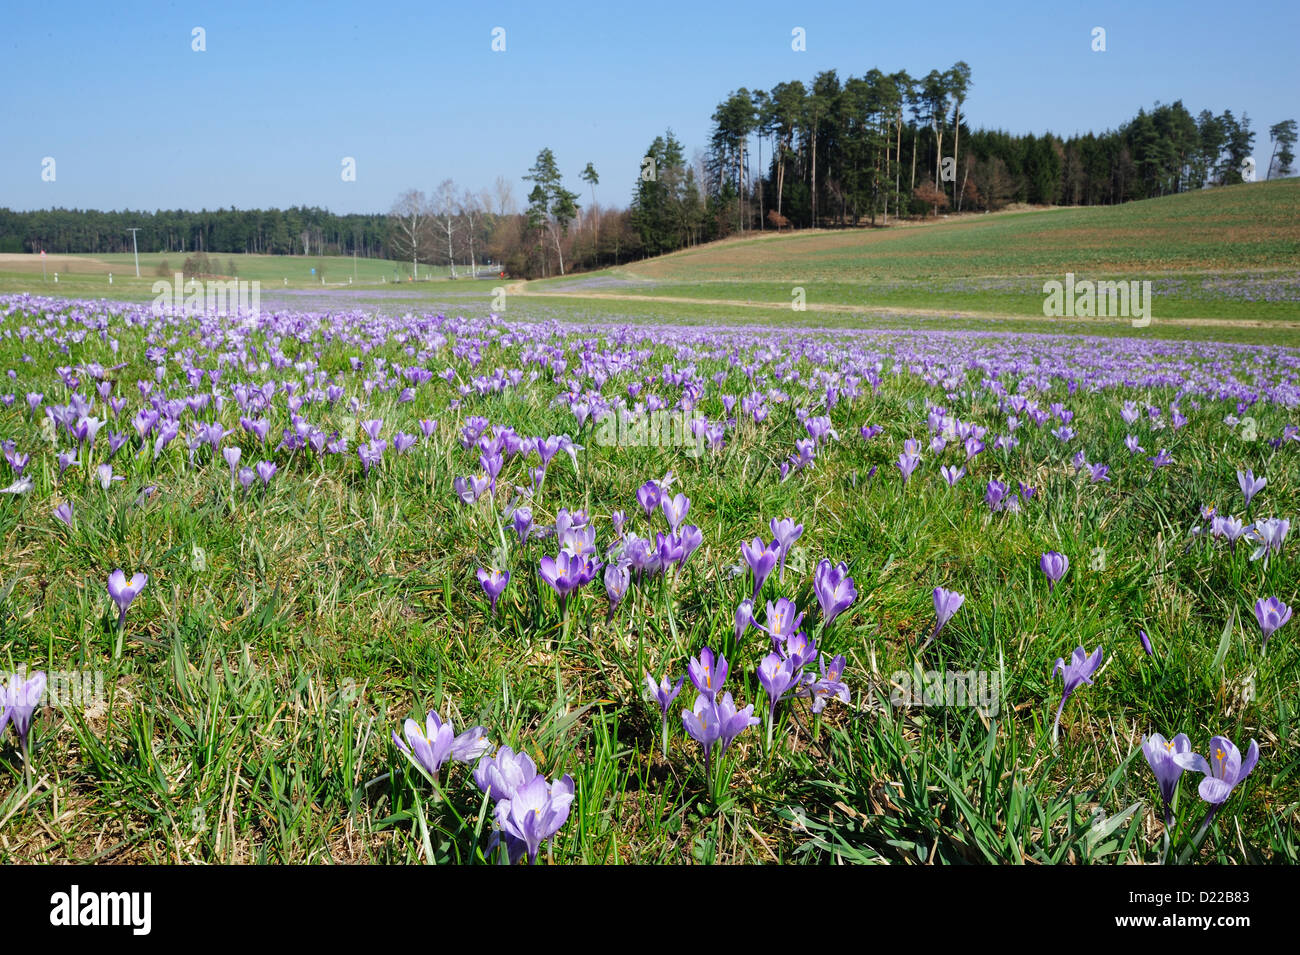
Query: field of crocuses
{"x": 313, "y": 587}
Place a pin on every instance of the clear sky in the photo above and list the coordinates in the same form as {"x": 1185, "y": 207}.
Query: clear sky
{"x": 135, "y": 118}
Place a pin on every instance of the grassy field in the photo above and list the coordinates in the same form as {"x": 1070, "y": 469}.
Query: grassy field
{"x": 1227, "y": 254}
{"x": 86, "y": 276}
{"x": 251, "y": 691}
{"x": 244, "y": 706}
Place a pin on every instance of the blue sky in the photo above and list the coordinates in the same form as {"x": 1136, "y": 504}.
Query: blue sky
{"x": 134, "y": 118}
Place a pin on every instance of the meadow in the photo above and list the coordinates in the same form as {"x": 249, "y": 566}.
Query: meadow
{"x": 86, "y": 276}
{"x": 1224, "y": 256}
{"x": 333, "y": 520}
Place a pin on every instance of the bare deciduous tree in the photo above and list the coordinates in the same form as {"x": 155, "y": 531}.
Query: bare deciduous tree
{"x": 410, "y": 218}
{"x": 471, "y": 211}
{"x": 505, "y": 196}
{"x": 446, "y": 207}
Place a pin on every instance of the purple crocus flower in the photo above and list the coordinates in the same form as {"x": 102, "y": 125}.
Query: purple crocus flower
{"x": 566, "y": 572}
{"x": 428, "y": 747}
{"x": 1161, "y": 757}
{"x": 1249, "y": 484}
{"x": 167, "y": 432}
{"x": 19, "y": 702}
{"x": 1162, "y": 458}
{"x": 17, "y": 462}
{"x": 761, "y": 559}
{"x": 493, "y": 583}
{"x": 702, "y": 724}
{"x": 266, "y": 470}
{"x": 64, "y": 513}
{"x": 501, "y": 774}
{"x": 1054, "y": 566}
{"x": 829, "y": 687}
{"x": 371, "y": 454}
{"x": 559, "y": 573}
{"x": 797, "y": 647}
{"x": 783, "y": 619}
{"x": 708, "y": 674}
{"x": 1230, "y": 527}
{"x": 522, "y": 520}
{"x": 834, "y": 588}
{"x": 664, "y": 693}
{"x": 246, "y": 477}
{"x": 123, "y": 593}
{"x": 744, "y": 617}
{"x": 946, "y": 604}
{"x": 647, "y": 496}
{"x": 232, "y": 455}
{"x": 733, "y": 721}
{"x": 690, "y": 539}
{"x": 1271, "y": 614}
{"x": 994, "y": 495}
{"x": 1223, "y": 771}
{"x": 777, "y": 676}
{"x": 618, "y": 577}
{"x": 675, "y": 509}
{"x": 1076, "y": 673}
{"x": 1146, "y": 643}
{"x": 535, "y": 812}
{"x": 906, "y": 464}
{"x": 784, "y": 532}
{"x": 1271, "y": 534}
{"x": 669, "y": 548}
{"x": 104, "y": 474}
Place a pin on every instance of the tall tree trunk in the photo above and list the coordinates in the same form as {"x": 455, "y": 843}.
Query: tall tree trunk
{"x": 740, "y": 187}
{"x": 555, "y": 234}
{"x": 912, "y": 187}
{"x": 780, "y": 176}
{"x": 956, "y": 142}
{"x": 814, "y": 176}
{"x": 938, "y": 161}
{"x": 898, "y": 163}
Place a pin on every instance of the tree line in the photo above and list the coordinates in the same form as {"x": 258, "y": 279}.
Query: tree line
{"x": 294, "y": 231}
{"x": 832, "y": 153}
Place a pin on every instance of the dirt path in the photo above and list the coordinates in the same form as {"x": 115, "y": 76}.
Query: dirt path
{"x": 520, "y": 289}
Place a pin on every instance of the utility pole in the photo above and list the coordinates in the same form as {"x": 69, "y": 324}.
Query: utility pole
{"x": 136, "y": 248}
